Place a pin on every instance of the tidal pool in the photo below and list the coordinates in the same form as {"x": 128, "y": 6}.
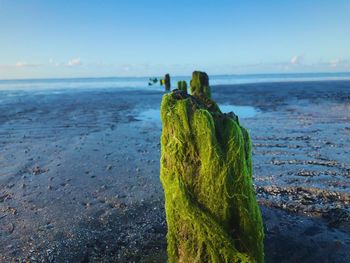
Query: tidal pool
{"x": 153, "y": 115}
{"x": 241, "y": 111}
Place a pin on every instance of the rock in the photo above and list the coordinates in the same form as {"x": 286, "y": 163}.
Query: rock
{"x": 10, "y": 228}
{"x": 337, "y": 217}
{"x": 37, "y": 170}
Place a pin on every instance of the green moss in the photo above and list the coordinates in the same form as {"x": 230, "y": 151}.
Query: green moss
{"x": 182, "y": 85}
{"x": 206, "y": 172}
{"x": 167, "y": 82}
{"x": 200, "y": 85}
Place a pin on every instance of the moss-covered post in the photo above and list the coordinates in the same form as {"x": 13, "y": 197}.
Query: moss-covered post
{"x": 206, "y": 172}
{"x": 167, "y": 83}
{"x": 200, "y": 85}
{"x": 182, "y": 85}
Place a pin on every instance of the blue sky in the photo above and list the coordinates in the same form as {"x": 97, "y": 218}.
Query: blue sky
{"x": 56, "y": 38}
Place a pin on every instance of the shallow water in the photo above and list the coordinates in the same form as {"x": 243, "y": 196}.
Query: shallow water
{"x": 240, "y": 111}
{"x": 153, "y": 115}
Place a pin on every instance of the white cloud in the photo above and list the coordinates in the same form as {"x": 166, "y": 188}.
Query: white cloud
{"x": 54, "y": 63}
{"x": 74, "y": 62}
{"x": 21, "y": 64}
{"x": 296, "y": 60}
{"x": 334, "y": 63}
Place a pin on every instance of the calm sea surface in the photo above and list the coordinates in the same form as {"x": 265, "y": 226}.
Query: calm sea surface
{"x": 142, "y": 82}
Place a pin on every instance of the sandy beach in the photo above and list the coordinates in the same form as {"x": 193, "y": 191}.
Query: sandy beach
{"x": 79, "y": 172}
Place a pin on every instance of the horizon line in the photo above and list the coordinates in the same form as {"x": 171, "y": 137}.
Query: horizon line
{"x": 153, "y": 76}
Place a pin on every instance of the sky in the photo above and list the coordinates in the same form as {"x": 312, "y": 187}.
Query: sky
{"x": 90, "y": 38}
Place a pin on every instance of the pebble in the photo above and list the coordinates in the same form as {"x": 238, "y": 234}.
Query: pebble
{"x": 10, "y": 228}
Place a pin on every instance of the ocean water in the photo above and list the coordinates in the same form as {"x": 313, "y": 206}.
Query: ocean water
{"x": 153, "y": 115}
{"x": 142, "y": 82}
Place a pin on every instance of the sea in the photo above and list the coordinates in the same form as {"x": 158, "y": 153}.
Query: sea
{"x": 143, "y": 82}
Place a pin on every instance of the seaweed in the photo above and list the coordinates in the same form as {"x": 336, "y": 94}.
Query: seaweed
{"x": 166, "y": 82}
{"x": 206, "y": 172}
{"x": 182, "y": 85}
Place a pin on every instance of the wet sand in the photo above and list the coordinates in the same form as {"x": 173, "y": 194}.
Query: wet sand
{"x": 79, "y": 176}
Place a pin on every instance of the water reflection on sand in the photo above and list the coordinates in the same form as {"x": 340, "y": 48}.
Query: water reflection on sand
{"x": 153, "y": 115}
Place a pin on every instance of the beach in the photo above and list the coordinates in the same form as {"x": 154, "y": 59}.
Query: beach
{"x": 79, "y": 171}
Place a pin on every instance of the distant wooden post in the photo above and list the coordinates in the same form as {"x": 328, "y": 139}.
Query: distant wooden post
{"x": 182, "y": 85}
{"x": 167, "y": 83}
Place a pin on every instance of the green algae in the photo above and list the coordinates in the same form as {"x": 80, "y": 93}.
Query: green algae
{"x": 200, "y": 85}
{"x": 182, "y": 85}
{"x": 167, "y": 82}
{"x": 206, "y": 172}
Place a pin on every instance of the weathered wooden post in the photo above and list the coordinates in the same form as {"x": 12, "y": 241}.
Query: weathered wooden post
{"x": 182, "y": 85}
{"x": 167, "y": 82}
{"x": 206, "y": 172}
